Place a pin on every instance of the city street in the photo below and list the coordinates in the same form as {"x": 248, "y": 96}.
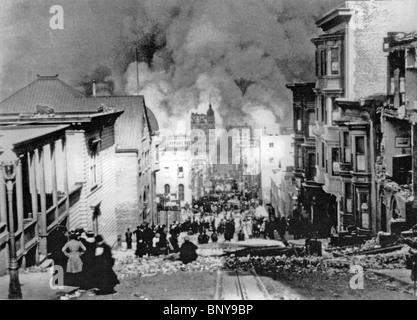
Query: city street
{"x": 213, "y": 150}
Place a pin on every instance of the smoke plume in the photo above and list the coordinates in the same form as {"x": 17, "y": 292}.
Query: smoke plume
{"x": 236, "y": 54}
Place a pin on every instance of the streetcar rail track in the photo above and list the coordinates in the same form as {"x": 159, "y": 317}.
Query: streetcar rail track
{"x": 240, "y": 285}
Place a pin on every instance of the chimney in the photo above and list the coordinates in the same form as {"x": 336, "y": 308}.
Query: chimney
{"x": 94, "y": 88}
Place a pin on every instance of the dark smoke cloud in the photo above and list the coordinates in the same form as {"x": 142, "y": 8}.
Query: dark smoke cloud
{"x": 238, "y": 54}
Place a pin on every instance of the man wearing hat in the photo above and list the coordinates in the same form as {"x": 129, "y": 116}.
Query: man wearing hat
{"x": 188, "y": 251}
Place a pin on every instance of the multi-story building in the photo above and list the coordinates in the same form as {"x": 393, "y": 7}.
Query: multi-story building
{"x": 276, "y": 151}
{"x": 283, "y": 189}
{"x": 65, "y": 174}
{"x": 133, "y": 141}
{"x": 304, "y": 110}
{"x": 396, "y": 163}
{"x": 351, "y": 71}
{"x": 174, "y": 179}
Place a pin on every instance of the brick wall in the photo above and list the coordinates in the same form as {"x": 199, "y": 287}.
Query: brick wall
{"x": 371, "y": 23}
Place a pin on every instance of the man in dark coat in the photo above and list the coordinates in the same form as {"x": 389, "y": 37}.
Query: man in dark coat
{"x": 141, "y": 248}
{"x": 128, "y": 235}
{"x": 188, "y": 251}
{"x": 214, "y": 237}
{"x": 229, "y": 230}
{"x": 269, "y": 229}
{"x": 148, "y": 235}
{"x": 205, "y": 238}
{"x": 282, "y": 228}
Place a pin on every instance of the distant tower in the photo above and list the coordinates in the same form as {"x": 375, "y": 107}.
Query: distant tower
{"x": 210, "y": 118}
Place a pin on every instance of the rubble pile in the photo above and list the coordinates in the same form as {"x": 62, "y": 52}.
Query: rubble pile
{"x": 326, "y": 264}
{"x": 271, "y": 265}
{"x": 131, "y": 266}
{"x": 394, "y": 260}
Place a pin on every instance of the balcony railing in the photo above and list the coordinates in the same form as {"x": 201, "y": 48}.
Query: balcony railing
{"x": 30, "y": 232}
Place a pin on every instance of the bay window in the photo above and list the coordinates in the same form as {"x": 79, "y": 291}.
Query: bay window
{"x": 311, "y": 117}
{"x": 346, "y": 150}
{"x": 335, "y": 64}
{"x": 335, "y": 161}
{"x": 360, "y": 154}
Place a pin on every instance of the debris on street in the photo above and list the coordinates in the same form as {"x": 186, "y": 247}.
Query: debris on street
{"x": 157, "y": 265}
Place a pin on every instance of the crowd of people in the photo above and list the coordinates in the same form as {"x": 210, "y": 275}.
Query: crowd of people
{"x": 86, "y": 260}
{"x": 227, "y": 216}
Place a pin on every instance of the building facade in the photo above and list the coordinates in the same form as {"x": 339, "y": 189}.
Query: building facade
{"x": 63, "y": 180}
{"x": 304, "y": 110}
{"x": 351, "y": 72}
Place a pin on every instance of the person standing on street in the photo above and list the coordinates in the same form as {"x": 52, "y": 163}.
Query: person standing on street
{"x": 188, "y": 251}
{"x": 105, "y": 278}
{"x": 73, "y": 249}
{"x": 128, "y": 235}
{"x": 88, "y": 259}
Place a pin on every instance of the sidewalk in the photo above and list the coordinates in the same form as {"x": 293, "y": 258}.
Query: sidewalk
{"x": 34, "y": 286}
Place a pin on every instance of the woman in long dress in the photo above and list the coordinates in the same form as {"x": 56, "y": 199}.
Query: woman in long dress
{"x": 106, "y": 278}
{"x": 73, "y": 249}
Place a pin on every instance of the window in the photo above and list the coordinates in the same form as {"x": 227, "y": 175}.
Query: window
{"x": 166, "y": 172}
{"x": 346, "y": 152}
{"x": 311, "y": 166}
{"x": 311, "y": 119}
{"x": 360, "y": 154}
{"x": 271, "y": 160}
{"x": 93, "y": 145}
{"x": 271, "y": 145}
{"x": 323, "y": 62}
{"x": 335, "y": 110}
{"x": 411, "y": 61}
{"x": 323, "y": 154}
{"x": 180, "y": 172}
{"x": 363, "y": 210}
{"x": 335, "y": 65}
{"x": 348, "y": 195}
{"x": 335, "y": 161}
{"x": 167, "y": 189}
{"x": 181, "y": 192}
{"x": 323, "y": 110}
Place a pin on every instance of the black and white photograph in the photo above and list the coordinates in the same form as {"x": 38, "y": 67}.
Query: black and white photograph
{"x": 210, "y": 151}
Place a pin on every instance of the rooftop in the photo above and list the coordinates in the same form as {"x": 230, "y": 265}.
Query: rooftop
{"x": 334, "y": 18}
{"x": 14, "y": 135}
{"x": 70, "y": 104}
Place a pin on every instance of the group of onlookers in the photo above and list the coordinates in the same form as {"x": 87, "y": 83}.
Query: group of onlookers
{"x": 86, "y": 260}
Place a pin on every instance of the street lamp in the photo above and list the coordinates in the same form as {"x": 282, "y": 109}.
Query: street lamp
{"x": 8, "y": 164}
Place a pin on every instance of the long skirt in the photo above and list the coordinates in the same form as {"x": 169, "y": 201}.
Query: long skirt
{"x": 74, "y": 264}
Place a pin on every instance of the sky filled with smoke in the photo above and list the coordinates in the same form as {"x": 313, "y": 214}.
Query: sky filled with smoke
{"x": 238, "y": 54}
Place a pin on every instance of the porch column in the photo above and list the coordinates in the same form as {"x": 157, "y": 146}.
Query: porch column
{"x": 33, "y": 187}
{"x": 34, "y": 194}
{"x": 3, "y": 200}
{"x": 54, "y": 183}
{"x": 19, "y": 202}
{"x": 66, "y": 186}
{"x": 44, "y": 228}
